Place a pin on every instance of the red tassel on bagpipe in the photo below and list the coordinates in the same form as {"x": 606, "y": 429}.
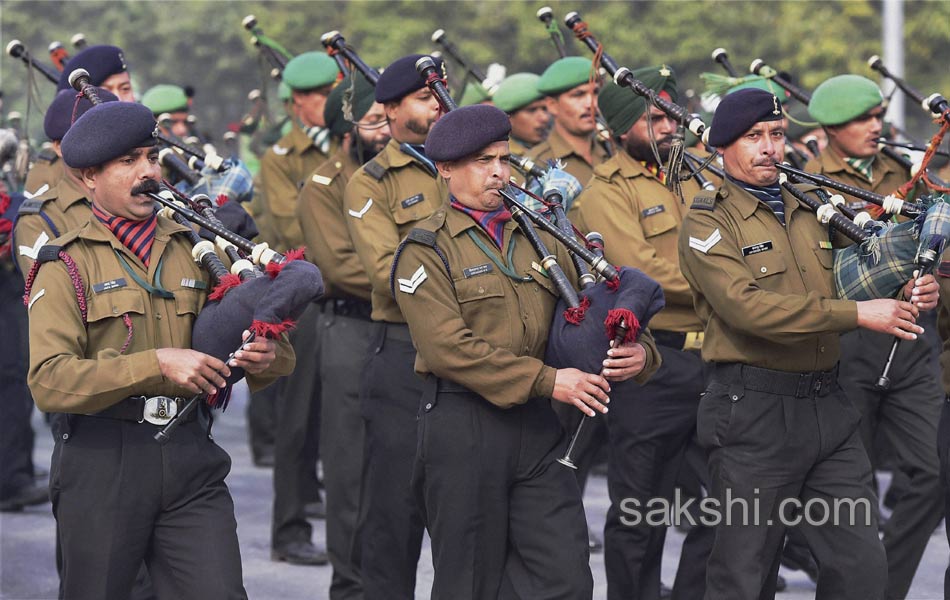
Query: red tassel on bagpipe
{"x": 271, "y": 330}
{"x": 574, "y": 316}
{"x": 227, "y": 282}
{"x": 273, "y": 269}
{"x": 614, "y": 316}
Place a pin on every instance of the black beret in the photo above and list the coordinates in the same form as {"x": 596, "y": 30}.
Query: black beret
{"x": 100, "y": 61}
{"x": 401, "y": 78}
{"x": 66, "y": 107}
{"x": 739, "y": 111}
{"x": 465, "y": 131}
{"x": 108, "y": 131}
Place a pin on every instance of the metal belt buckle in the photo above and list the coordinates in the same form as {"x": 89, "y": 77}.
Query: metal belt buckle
{"x": 694, "y": 340}
{"x": 159, "y": 410}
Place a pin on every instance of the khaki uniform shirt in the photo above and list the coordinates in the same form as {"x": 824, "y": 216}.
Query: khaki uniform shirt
{"x": 517, "y": 147}
{"x": 66, "y": 207}
{"x": 888, "y": 176}
{"x": 384, "y": 200}
{"x": 323, "y": 220}
{"x": 765, "y": 292}
{"x": 640, "y": 221}
{"x": 476, "y": 326}
{"x": 46, "y": 170}
{"x": 284, "y": 169}
{"x": 77, "y": 367}
{"x": 556, "y": 147}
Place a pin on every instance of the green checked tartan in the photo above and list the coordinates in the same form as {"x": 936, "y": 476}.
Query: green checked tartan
{"x": 554, "y": 179}
{"x": 881, "y": 265}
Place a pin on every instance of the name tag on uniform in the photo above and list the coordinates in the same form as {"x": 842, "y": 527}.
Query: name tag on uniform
{"x": 105, "y": 286}
{"x": 653, "y": 210}
{"x": 412, "y": 201}
{"x": 756, "y": 248}
{"x": 477, "y": 270}
{"x": 195, "y": 284}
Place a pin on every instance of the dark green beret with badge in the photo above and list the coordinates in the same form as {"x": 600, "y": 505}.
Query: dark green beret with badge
{"x": 310, "y": 70}
{"x": 165, "y": 98}
{"x": 621, "y": 107}
{"x": 564, "y": 74}
{"x": 842, "y": 98}
{"x": 517, "y": 91}
{"x": 360, "y": 100}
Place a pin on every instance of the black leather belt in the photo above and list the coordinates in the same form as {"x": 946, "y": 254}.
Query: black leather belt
{"x": 397, "y": 331}
{"x": 157, "y": 410}
{"x": 691, "y": 340}
{"x": 346, "y": 307}
{"x": 770, "y": 381}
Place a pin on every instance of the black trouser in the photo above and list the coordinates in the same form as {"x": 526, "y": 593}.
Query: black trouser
{"x": 649, "y": 429}
{"x": 296, "y": 450}
{"x": 506, "y": 519}
{"x": 262, "y": 420}
{"x": 341, "y": 442}
{"x": 119, "y": 497}
{"x": 943, "y": 447}
{"x": 906, "y": 415}
{"x": 16, "y": 433}
{"x": 775, "y": 436}
{"x": 390, "y": 526}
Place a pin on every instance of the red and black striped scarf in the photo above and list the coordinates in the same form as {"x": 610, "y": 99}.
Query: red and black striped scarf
{"x": 137, "y": 236}
{"x": 492, "y": 222}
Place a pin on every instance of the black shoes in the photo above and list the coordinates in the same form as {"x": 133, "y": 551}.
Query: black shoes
{"x": 299, "y": 553}
{"x": 28, "y": 496}
{"x": 315, "y": 510}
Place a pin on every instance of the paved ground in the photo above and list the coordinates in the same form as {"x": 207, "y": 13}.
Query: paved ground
{"x": 27, "y": 569}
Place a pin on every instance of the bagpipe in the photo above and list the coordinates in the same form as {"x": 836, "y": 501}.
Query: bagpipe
{"x": 16, "y": 49}
{"x": 264, "y": 292}
{"x": 472, "y": 71}
{"x": 270, "y": 51}
{"x": 337, "y": 47}
{"x": 617, "y": 308}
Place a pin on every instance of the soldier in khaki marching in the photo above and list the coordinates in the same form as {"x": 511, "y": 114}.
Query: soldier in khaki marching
{"x": 285, "y": 168}
{"x": 487, "y": 435}
{"x": 384, "y": 199}
{"x": 346, "y": 326}
{"x": 572, "y": 102}
{"x": 849, "y": 108}
{"x": 775, "y": 420}
{"x": 527, "y": 110}
{"x": 628, "y": 202}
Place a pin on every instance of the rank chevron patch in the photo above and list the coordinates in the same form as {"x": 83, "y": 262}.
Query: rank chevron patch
{"x": 38, "y": 192}
{"x": 705, "y": 245}
{"x": 359, "y": 214}
{"x": 32, "y": 251}
{"x": 409, "y": 286}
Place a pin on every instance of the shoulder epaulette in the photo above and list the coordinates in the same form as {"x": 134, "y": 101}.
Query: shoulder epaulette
{"x": 375, "y": 170}
{"x": 425, "y": 237}
{"x": 48, "y": 155}
{"x": 422, "y": 236}
{"x": 704, "y": 201}
{"x": 48, "y": 253}
{"x": 31, "y": 207}
{"x": 606, "y": 170}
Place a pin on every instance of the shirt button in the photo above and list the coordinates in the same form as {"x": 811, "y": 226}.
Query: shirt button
{"x": 804, "y": 270}
{"x": 481, "y": 290}
{"x": 115, "y": 310}
{"x": 764, "y": 270}
{"x": 159, "y": 317}
{"x": 822, "y": 349}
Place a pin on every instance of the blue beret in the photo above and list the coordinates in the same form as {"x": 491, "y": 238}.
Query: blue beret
{"x": 100, "y": 61}
{"x": 401, "y": 78}
{"x": 465, "y": 131}
{"x": 66, "y": 108}
{"x": 739, "y": 111}
{"x": 108, "y": 131}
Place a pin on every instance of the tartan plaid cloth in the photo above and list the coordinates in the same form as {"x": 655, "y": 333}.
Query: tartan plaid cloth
{"x": 554, "y": 179}
{"x": 236, "y": 182}
{"x": 881, "y": 265}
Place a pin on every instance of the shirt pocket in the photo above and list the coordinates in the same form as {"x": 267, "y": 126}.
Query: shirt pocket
{"x": 188, "y": 301}
{"x": 825, "y": 257}
{"x": 484, "y": 308}
{"x": 657, "y": 223}
{"x": 412, "y": 208}
{"x": 766, "y": 264}
{"x": 114, "y": 304}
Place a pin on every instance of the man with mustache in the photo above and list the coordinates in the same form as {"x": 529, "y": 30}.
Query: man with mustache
{"x": 850, "y": 109}
{"x": 112, "y": 305}
{"x": 505, "y": 519}
{"x": 571, "y": 99}
{"x": 383, "y": 200}
{"x": 527, "y": 110}
{"x": 347, "y": 327}
{"x": 780, "y": 431}
{"x": 627, "y": 201}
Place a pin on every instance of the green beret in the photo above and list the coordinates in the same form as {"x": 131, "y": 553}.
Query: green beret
{"x": 517, "y": 91}
{"x": 564, "y": 74}
{"x": 842, "y": 98}
{"x": 799, "y": 121}
{"x": 283, "y": 91}
{"x": 164, "y": 98}
{"x": 360, "y": 102}
{"x": 621, "y": 107}
{"x": 474, "y": 93}
{"x": 761, "y": 83}
{"x": 310, "y": 70}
